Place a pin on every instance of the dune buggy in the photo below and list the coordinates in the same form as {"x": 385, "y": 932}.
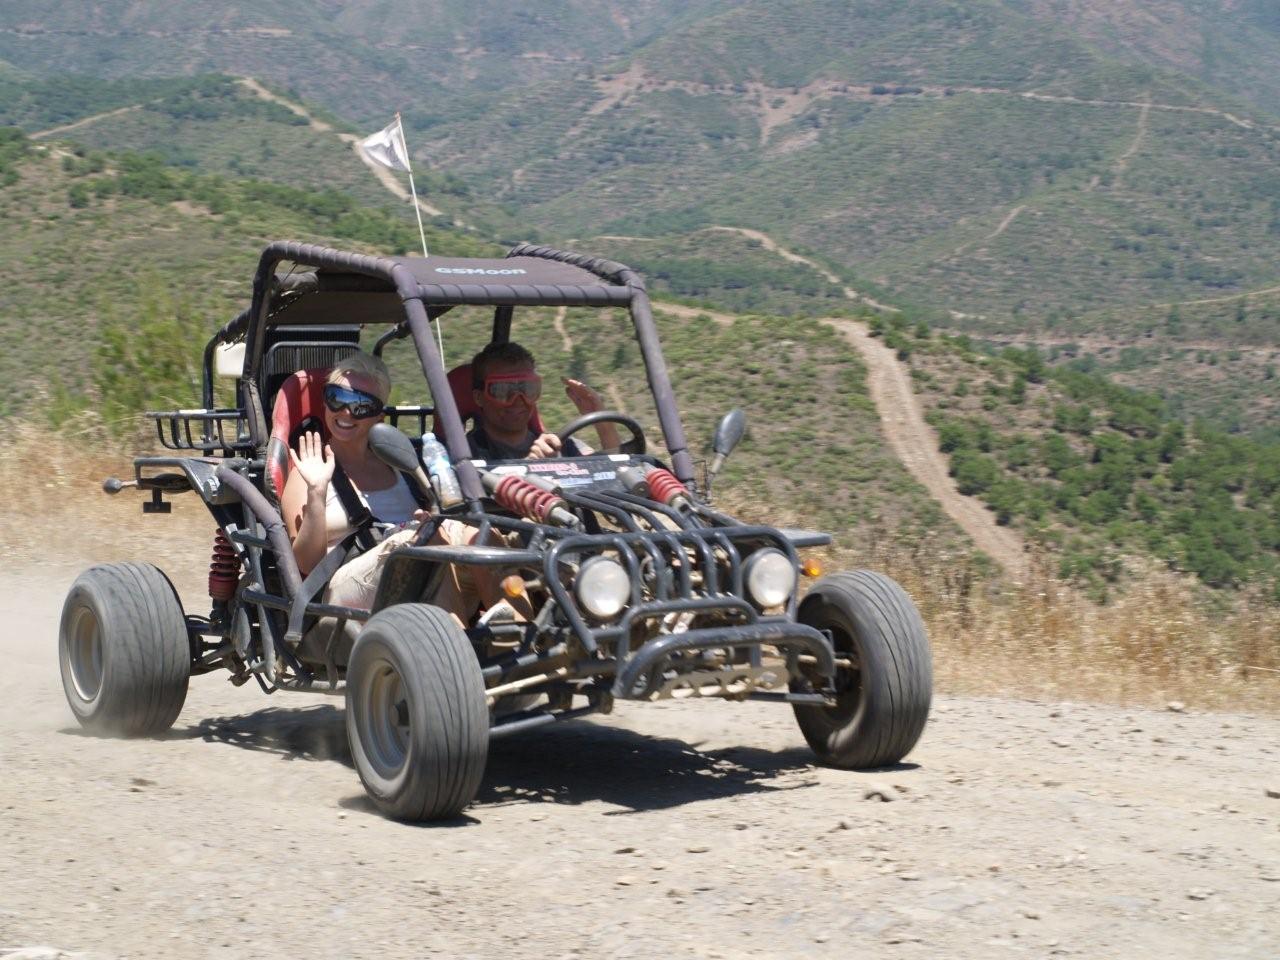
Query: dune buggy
{"x": 641, "y": 589}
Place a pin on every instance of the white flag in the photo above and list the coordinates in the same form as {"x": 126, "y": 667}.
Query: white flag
{"x": 387, "y": 147}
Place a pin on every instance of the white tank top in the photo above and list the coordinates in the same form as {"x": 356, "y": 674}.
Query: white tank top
{"x": 393, "y": 505}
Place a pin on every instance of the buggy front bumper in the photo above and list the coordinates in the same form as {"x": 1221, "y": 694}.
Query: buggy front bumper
{"x": 641, "y": 674}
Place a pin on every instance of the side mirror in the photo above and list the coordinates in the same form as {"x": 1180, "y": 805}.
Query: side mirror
{"x": 729, "y": 433}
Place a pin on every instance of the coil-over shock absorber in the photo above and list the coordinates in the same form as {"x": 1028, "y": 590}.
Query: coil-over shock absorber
{"x": 224, "y": 568}
{"x": 665, "y": 488}
{"x": 527, "y": 499}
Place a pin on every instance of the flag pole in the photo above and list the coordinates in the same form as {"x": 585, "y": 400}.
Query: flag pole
{"x": 422, "y": 234}
{"x": 413, "y": 191}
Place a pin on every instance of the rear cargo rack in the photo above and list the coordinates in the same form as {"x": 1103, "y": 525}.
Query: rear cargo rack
{"x": 208, "y": 431}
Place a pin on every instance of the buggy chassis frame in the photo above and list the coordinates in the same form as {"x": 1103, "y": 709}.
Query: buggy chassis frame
{"x": 693, "y": 560}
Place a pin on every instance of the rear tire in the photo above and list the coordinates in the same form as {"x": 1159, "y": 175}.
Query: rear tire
{"x": 417, "y": 719}
{"x": 123, "y": 650}
{"x": 883, "y": 702}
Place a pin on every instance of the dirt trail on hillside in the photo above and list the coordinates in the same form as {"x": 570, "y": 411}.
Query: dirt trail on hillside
{"x": 1093, "y": 342}
{"x": 914, "y": 443}
{"x": 84, "y": 121}
{"x": 690, "y": 830}
{"x": 1001, "y": 227}
{"x": 912, "y": 440}
{"x": 558, "y": 323}
{"x": 773, "y": 246}
{"x": 1123, "y": 161}
{"x": 775, "y": 106}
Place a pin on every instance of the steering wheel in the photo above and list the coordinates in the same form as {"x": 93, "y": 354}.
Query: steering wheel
{"x": 635, "y": 445}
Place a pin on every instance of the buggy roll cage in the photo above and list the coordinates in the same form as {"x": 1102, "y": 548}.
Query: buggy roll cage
{"x": 411, "y": 292}
{"x": 324, "y": 299}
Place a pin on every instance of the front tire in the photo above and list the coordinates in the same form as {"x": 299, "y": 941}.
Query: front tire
{"x": 417, "y": 719}
{"x": 123, "y": 650}
{"x": 883, "y": 699}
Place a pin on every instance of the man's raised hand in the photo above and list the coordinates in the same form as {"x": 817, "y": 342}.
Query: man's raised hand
{"x": 583, "y": 397}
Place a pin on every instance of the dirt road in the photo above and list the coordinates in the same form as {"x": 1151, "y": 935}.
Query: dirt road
{"x": 911, "y": 438}
{"x": 1017, "y": 829}
{"x": 916, "y": 445}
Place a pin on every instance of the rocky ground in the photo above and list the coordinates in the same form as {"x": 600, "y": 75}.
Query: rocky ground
{"x": 1016, "y": 829}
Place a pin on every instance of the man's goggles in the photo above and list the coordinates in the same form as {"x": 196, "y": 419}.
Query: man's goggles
{"x": 504, "y": 387}
{"x": 357, "y": 403}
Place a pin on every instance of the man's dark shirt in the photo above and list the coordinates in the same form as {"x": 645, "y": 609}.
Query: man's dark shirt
{"x": 485, "y": 448}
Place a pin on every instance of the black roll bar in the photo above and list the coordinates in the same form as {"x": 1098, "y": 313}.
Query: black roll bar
{"x": 624, "y": 287}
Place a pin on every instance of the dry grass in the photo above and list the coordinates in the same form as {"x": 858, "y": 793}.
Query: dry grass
{"x": 1163, "y": 640}
{"x": 55, "y": 513}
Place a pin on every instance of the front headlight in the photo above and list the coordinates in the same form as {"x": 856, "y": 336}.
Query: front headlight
{"x": 771, "y": 577}
{"x": 603, "y": 587}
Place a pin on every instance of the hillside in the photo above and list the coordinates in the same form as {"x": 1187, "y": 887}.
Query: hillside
{"x": 364, "y": 60}
{"x": 1090, "y": 471}
{"x": 129, "y": 314}
{"x": 1229, "y": 44}
{"x": 122, "y": 243}
{"x": 1104, "y": 477}
{"x": 1021, "y": 162}
{"x": 1020, "y": 183}
{"x": 1022, "y": 173}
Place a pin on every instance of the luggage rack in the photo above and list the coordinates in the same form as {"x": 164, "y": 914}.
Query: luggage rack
{"x": 208, "y": 431}
{"x": 227, "y": 430}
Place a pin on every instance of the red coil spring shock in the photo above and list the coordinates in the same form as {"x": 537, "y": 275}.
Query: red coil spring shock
{"x": 665, "y": 488}
{"x": 520, "y": 496}
{"x": 224, "y": 568}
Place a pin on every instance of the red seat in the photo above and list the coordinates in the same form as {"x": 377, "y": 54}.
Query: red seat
{"x": 299, "y": 400}
{"x": 464, "y": 397}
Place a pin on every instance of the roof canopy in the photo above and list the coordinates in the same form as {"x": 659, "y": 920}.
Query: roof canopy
{"x": 341, "y": 287}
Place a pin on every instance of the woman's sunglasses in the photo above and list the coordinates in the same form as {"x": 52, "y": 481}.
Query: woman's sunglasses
{"x": 357, "y": 403}
{"x": 504, "y": 387}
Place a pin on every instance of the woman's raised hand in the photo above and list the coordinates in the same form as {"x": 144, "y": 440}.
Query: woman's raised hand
{"x": 314, "y": 461}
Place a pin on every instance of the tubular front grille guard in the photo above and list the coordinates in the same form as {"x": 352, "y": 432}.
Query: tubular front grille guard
{"x": 667, "y": 560}
{"x": 641, "y": 674}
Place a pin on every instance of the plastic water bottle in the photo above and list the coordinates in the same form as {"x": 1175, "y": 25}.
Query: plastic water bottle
{"x": 443, "y": 478}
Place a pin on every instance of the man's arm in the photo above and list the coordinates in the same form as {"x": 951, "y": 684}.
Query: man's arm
{"x": 589, "y": 401}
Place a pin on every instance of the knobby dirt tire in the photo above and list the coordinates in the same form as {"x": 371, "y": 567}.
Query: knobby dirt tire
{"x": 417, "y": 719}
{"x": 883, "y": 705}
{"x": 123, "y": 650}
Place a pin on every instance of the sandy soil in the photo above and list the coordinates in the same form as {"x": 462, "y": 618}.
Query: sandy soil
{"x": 1015, "y": 829}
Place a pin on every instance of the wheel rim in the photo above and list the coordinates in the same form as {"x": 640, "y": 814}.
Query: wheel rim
{"x": 384, "y": 720}
{"x": 847, "y": 681}
{"x": 84, "y": 654}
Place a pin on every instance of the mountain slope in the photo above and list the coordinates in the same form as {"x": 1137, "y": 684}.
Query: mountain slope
{"x": 1229, "y": 44}
{"x": 1016, "y": 160}
{"x": 899, "y": 145}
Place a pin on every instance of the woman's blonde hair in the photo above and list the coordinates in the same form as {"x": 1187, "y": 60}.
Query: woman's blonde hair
{"x": 365, "y": 365}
